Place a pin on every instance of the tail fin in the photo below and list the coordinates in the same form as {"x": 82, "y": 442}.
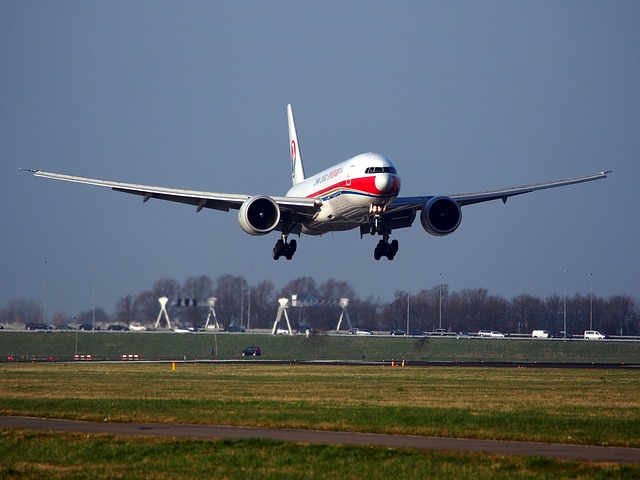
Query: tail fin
{"x": 297, "y": 169}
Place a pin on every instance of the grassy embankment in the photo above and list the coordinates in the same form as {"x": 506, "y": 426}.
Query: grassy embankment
{"x": 168, "y": 346}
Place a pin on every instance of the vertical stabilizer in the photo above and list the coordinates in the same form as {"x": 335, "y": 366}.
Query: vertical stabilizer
{"x": 297, "y": 170}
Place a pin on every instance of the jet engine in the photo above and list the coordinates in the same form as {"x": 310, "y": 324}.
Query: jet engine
{"x": 259, "y": 215}
{"x": 440, "y": 216}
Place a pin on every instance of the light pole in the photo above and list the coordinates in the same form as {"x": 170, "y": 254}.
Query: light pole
{"x": 44, "y": 295}
{"x": 248, "y": 306}
{"x": 93, "y": 293}
{"x": 564, "y": 298}
{"x": 591, "y": 303}
{"x": 440, "y": 304}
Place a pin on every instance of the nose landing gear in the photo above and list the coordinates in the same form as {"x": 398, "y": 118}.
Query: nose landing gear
{"x": 377, "y": 224}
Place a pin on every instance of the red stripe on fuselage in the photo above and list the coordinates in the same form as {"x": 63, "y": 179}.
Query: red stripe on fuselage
{"x": 366, "y": 185}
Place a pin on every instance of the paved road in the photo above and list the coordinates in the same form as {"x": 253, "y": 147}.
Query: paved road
{"x": 566, "y": 452}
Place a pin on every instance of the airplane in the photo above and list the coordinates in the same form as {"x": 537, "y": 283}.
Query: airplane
{"x": 360, "y": 193}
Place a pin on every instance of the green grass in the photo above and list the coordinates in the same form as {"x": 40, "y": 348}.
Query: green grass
{"x": 35, "y": 455}
{"x": 42, "y": 455}
{"x": 577, "y": 406}
{"x": 103, "y": 345}
{"x": 595, "y": 407}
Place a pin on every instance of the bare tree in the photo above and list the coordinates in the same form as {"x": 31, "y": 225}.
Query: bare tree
{"x": 528, "y": 313}
{"x": 126, "y": 310}
{"x": 148, "y": 307}
{"x": 554, "y": 308}
{"x": 621, "y": 315}
{"x": 87, "y": 316}
{"x": 366, "y": 312}
{"x": 21, "y": 310}
{"x": 394, "y": 314}
{"x": 263, "y": 304}
{"x": 198, "y": 290}
{"x": 229, "y": 290}
{"x": 304, "y": 287}
{"x": 333, "y": 289}
{"x": 166, "y": 287}
{"x": 59, "y": 318}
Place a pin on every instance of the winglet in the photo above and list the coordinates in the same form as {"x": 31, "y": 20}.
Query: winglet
{"x": 297, "y": 169}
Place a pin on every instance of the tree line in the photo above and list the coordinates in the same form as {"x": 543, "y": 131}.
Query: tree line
{"x": 255, "y": 306}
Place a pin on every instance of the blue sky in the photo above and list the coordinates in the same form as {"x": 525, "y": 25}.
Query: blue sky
{"x": 463, "y": 96}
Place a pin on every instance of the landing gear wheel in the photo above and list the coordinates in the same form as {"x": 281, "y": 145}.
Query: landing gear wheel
{"x": 284, "y": 249}
{"x": 380, "y": 250}
{"x": 291, "y": 249}
{"x": 385, "y": 249}
{"x": 279, "y": 249}
{"x": 392, "y": 250}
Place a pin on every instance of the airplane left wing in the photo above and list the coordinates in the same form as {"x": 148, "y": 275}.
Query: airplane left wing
{"x": 219, "y": 201}
{"x": 416, "y": 203}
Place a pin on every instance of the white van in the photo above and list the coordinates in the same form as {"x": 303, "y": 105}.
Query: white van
{"x": 540, "y": 334}
{"x": 593, "y": 335}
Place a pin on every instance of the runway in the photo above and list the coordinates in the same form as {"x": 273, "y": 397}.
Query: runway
{"x": 557, "y": 451}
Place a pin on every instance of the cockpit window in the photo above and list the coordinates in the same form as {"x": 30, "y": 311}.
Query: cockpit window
{"x": 380, "y": 170}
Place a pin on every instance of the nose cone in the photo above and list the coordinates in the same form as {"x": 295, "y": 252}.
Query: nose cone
{"x": 384, "y": 182}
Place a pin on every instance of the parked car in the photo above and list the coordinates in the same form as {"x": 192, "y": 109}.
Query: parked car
{"x": 541, "y": 334}
{"x": 252, "y": 352}
{"x": 234, "y": 329}
{"x": 594, "y": 335}
{"x": 496, "y": 334}
{"x": 137, "y": 327}
{"x": 64, "y": 327}
{"x": 118, "y": 328}
{"x": 398, "y": 331}
{"x": 560, "y": 334}
{"x": 88, "y": 326}
{"x": 360, "y": 331}
{"x": 484, "y": 333}
{"x": 37, "y": 326}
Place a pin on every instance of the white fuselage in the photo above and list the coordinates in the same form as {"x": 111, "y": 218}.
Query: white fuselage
{"x": 348, "y": 191}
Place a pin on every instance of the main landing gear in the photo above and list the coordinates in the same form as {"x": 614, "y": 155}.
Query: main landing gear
{"x": 284, "y": 248}
{"x": 385, "y": 249}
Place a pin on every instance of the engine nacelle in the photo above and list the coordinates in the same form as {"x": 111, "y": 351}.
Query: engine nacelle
{"x": 441, "y": 216}
{"x": 259, "y": 215}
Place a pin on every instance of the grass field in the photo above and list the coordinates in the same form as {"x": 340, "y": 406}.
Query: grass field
{"x": 591, "y": 407}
